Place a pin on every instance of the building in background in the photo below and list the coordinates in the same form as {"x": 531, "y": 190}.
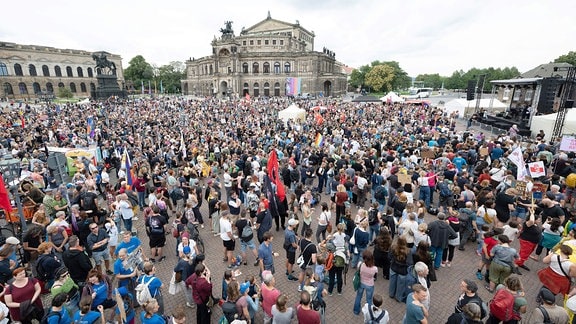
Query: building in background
{"x": 33, "y": 72}
{"x": 271, "y": 58}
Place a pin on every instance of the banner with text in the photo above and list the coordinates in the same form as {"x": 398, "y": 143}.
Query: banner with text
{"x": 293, "y": 86}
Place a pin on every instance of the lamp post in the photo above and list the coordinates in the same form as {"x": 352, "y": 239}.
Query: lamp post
{"x": 10, "y": 168}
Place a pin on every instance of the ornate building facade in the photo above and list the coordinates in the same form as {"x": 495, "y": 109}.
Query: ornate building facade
{"x": 271, "y": 58}
{"x": 33, "y": 72}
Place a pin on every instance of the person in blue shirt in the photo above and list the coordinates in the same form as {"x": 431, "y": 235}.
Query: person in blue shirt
{"x": 416, "y": 312}
{"x": 130, "y": 243}
{"x": 99, "y": 287}
{"x": 85, "y": 315}
{"x": 150, "y": 313}
{"x": 58, "y": 313}
{"x": 459, "y": 162}
{"x": 128, "y": 301}
{"x": 155, "y": 285}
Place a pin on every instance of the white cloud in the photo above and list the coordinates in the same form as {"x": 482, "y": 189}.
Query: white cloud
{"x": 423, "y": 36}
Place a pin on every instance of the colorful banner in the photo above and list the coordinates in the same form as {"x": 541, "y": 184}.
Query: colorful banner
{"x": 274, "y": 175}
{"x": 537, "y": 169}
{"x": 293, "y": 86}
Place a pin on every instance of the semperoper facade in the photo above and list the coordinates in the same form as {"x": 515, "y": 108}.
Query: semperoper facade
{"x": 31, "y": 72}
{"x": 271, "y": 58}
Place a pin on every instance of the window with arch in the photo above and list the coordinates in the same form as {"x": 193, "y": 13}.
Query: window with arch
{"x": 80, "y": 72}
{"x": 69, "y": 71}
{"x": 211, "y": 69}
{"x": 73, "y": 87}
{"x": 49, "y": 87}
{"x": 18, "y": 70}
{"x": 3, "y": 69}
{"x": 8, "y": 91}
{"x": 267, "y": 89}
{"x": 286, "y": 67}
{"x": 58, "y": 71}
{"x": 36, "y": 87}
{"x": 32, "y": 70}
{"x": 245, "y": 68}
{"x": 82, "y": 87}
{"x": 92, "y": 87}
{"x": 277, "y": 89}
{"x": 277, "y": 67}
{"x": 60, "y": 85}
{"x": 256, "y": 89}
{"x": 22, "y": 87}
{"x": 45, "y": 70}
{"x": 90, "y": 74}
{"x": 266, "y": 67}
{"x": 255, "y": 67}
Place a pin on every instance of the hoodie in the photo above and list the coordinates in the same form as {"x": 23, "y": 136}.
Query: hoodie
{"x": 78, "y": 264}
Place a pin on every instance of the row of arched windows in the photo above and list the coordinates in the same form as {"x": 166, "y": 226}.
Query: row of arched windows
{"x": 23, "y": 88}
{"x": 45, "y": 71}
{"x": 266, "y": 68}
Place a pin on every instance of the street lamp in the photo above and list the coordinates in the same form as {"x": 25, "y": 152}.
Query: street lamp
{"x": 10, "y": 168}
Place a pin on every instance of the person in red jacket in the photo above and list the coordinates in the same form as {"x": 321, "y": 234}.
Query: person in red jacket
{"x": 201, "y": 292}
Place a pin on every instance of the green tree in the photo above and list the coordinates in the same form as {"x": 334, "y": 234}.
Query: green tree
{"x": 358, "y": 76}
{"x": 567, "y": 58}
{"x": 171, "y": 75}
{"x": 138, "y": 71}
{"x": 431, "y": 80}
{"x": 401, "y": 79}
{"x": 380, "y": 78}
{"x": 65, "y": 93}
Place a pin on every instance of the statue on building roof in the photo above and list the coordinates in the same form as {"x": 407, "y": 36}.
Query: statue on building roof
{"x": 227, "y": 31}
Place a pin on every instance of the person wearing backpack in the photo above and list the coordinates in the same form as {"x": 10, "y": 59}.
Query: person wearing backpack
{"x": 508, "y": 303}
{"x": 201, "y": 292}
{"x": 47, "y": 264}
{"x": 367, "y": 272}
{"x": 153, "y": 283}
{"x": 57, "y": 313}
{"x": 373, "y": 314}
{"x": 548, "y": 311}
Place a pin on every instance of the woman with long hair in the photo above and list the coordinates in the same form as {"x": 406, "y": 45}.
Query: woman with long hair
{"x": 448, "y": 254}
{"x": 422, "y": 254}
{"x": 367, "y": 272}
{"x": 99, "y": 287}
{"x": 150, "y": 310}
{"x": 400, "y": 260}
{"x": 63, "y": 283}
{"x": 323, "y": 220}
{"x": 382, "y": 244}
{"x": 341, "y": 197}
{"x": 551, "y": 235}
{"x": 85, "y": 314}
{"x": 307, "y": 212}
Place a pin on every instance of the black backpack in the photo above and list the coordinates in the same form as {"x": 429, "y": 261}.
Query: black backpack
{"x": 373, "y": 216}
{"x": 229, "y": 310}
{"x": 50, "y": 313}
{"x": 545, "y": 315}
{"x": 376, "y": 320}
{"x": 40, "y": 271}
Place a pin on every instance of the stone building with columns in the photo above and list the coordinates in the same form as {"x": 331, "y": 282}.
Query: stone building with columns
{"x": 34, "y": 72}
{"x": 271, "y": 58}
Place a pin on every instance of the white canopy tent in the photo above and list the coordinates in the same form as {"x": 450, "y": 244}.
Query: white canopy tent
{"x": 546, "y": 123}
{"x": 466, "y": 108}
{"x": 298, "y": 115}
{"x": 392, "y": 96}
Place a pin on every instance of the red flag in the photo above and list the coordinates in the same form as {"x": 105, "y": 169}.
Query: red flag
{"x": 247, "y": 97}
{"x": 22, "y": 121}
{"x": 274, "y": 175}
{"x": 4, "y": 199}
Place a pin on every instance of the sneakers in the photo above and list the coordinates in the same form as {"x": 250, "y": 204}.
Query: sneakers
{"x": 448, "y": 264}
{"x": 299, "y": 289}
{"x": 443, "y": 264}
{"x": 524, "y": 267}
{"x": 292, "y": 278}
{"x": 479, "y": 275}
{"x": 257, "y": 262}
{"x": 488, "y": 288}
{"x": 134, "y": 218}
{"x": 189, "y": 305}
{"x": 201, "y": 225}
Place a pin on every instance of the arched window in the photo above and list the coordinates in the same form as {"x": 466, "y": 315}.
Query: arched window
{"x": 266, "y": 67}
{"x": 60, "y": 85}
{"x": 18, "y": 69}
{"x": 73, "y": 87}
{"x": 90, "y": 74}
{"x": 49, "y": 87}
{"x": 211, "y": 69}
{"x": 69, "y": 71}
{"x": 3, "y": 69}
{"x": 277, "y": 89}
{"x": 8, "y": 89}
{"x": 45, "y": 70}
{"x": 277, "y": 67}
{"x": 245, "y": 68}
{"x": 80, "y": 72}
{"x": 255, "y": 67}
{"x": 92, "y": 87}
{"x": 58, "y": 71}
{"x": 36, "y": 87}
{"x": 22, "y": 87}
{"x": 286, "y": 67}
{"x": 267, "y": 89}
{"x": 82, "y": 87}
{"x": 32, "y": 70}
{"x": 256, "y": 89}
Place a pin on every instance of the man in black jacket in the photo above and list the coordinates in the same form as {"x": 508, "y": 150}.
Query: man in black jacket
{"x": 77, "y": 261}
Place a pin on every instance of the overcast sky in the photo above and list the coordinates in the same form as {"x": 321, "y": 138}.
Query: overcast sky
{"x": 423, "y": 36}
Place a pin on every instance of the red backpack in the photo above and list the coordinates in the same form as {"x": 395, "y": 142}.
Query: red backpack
{"x": 329, "y": 261}
{"x": 502, "y": 305}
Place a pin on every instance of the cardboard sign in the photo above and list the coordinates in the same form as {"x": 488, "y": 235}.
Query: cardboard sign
{"x": 537, "y": 169}
{"x": 521, "y": 187}
{"x": 404, "y": 178}
{"x": 538, "y": 190}
{"x": 483, "y": 151}
{"x": 428, "y": 154}
{"x": 568, "y": 143}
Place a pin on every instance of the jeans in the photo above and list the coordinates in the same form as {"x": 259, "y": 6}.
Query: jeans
{"x": 374, "y": 230}
{"x": 141, "y": 199}
{"x": 356, "y": 257}
{"x": 359, "y": 293}
{"x": 127, "y": 224}
{"x": 335, "y": 277}
{"x": 465, "y": 235}
{"x": 437, "y": 251}
{"x": 425, "y": 195}
{"x": 397, "y": 287}
{"x": 321, "y": 230}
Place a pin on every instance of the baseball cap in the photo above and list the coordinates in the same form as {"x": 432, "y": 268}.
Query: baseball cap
{"x": 12, "y": 240}
{"x": 547, "y": 296}
{"x": 292, "y": 222}
{"x": 244, "y": 287}
{"x": 186, "y": 250}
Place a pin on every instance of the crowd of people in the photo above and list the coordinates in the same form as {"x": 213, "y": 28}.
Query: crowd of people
{"x": 378, "y": 189}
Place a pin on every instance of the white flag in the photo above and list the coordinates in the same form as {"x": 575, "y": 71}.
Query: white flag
{"x": 517, "y": 158}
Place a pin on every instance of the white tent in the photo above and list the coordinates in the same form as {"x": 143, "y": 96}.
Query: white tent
{"x": 466, "y": 107}
{"x": 298, "y": 115}
{"x": 392, "y": 96}
{"x": 546, "y": 123}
